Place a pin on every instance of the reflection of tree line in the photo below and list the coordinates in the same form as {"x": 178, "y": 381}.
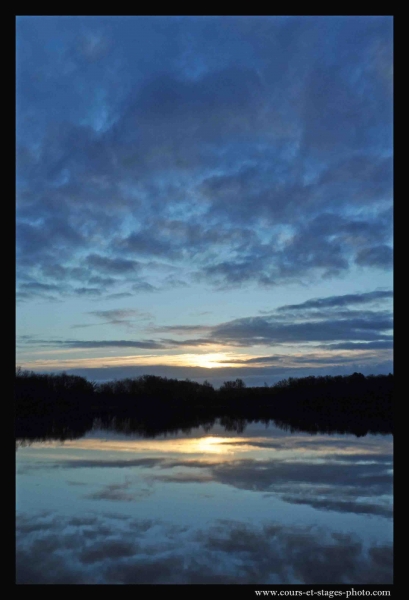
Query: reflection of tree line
{"x": 61, "y": 406}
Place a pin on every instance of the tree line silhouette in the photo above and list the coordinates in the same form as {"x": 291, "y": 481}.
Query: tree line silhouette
{"x": 354, "y": 403}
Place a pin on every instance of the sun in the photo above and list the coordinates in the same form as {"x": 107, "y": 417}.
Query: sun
{"x": 212, "y": 361}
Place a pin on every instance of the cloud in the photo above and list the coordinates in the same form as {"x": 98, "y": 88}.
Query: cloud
{"x": 88, "y": 291}
{"x": 256, "y": 151}
{"x": 119, "y": 315}
{"x": 325, "y": 246}
{"x": 183, "y": 329}
{"x": 318, "y": 320}
{"x": 339, "y": 301}
{"x": 309, "y": 358}
{"x": 118, "y": 295}
{"x": 332, "y": 335}
{"x": 110, "y": 464}
{"x": 259, "y": 330}
{"x": 111, "y": 265}
{"x": 148, "y": 344}
{"x": 123, "y": 317}
{"x": 379, "y": 345}
{"x": 321, "y": 319}
{"x": 36, "y": 286}
{"x": 377, "y": 256}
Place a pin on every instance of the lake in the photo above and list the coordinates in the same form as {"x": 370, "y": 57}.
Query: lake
{"x": 253, "y": 503}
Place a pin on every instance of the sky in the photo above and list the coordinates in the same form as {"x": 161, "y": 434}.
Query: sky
{"x": 204, "y": 197}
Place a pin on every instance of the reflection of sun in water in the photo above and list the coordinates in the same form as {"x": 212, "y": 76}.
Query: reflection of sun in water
{"x": 212, "y": 444}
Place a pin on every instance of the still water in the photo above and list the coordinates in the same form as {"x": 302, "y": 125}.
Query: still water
{"x": 262, "y": 505}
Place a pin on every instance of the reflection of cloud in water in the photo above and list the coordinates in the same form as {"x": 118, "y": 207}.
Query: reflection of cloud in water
{"x": 336, "y": 474}
{"x": 340, "y": 503}
{"x": 354, "y": 486}
{"x": 90, "y": 549}
{"x": 197, "y": 445}
{"x": 202, "y": 445}
{"x": 120, "y": 492}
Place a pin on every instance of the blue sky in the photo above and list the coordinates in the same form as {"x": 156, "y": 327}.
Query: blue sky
{"x": 204, "y": 197}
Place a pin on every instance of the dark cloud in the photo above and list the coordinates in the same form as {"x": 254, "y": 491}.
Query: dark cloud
{"x": 325, "y": 245}
{"x": 317, "y": 320}
{"x": 36, "y": 286}
{"x": 84, "y": 463}
{"x": 148, "y": 344}
{"x": 88, "y": 291}
{"x": 379, "y": 345}
{"x": 118, "y": 295}
{"x": 339, "y": 301}
{"x": 144, "y": 244}
{"x": 111, "y": 265}
{"x": 307, "y": 358}
{"x": 119, "y": 315}
{"x": 376, "y": 256}
{"x": 259, "y": 330}
{"x": 143, "y": 286}
{"x": 122, "y": 316}
{"x": 239, "y": 149}
{"x": 183, "y": 329}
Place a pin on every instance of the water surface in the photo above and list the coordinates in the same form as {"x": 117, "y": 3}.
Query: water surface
{"x": 255, "y": 505}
